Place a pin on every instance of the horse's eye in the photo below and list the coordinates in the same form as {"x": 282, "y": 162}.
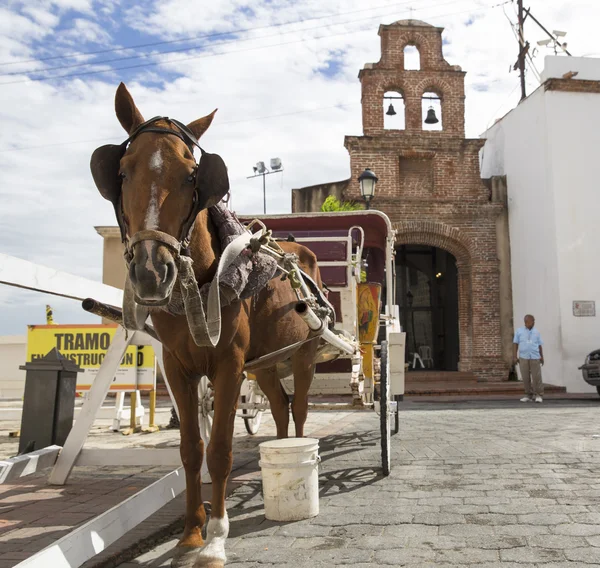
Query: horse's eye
{"x": 190, "y": 178}
{"x": 122, "y": 175}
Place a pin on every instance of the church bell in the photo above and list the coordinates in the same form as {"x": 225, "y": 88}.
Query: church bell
{"x": 431, "y": 118}
{"x": 390, "y": 110}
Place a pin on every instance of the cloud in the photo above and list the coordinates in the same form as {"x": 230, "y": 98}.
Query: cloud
{"x": 85, "y": 30}
{"x": 287, "y": 91}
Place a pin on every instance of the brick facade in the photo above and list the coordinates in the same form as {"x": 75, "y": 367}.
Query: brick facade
{"x": 430, "y": 184}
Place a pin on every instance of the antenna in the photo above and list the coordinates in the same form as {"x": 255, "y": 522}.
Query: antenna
{"x": 524, "y": 45}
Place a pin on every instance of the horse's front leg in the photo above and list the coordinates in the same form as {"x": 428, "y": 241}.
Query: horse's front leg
{"x": 185, "y": 391}
{"x": 227, "y": 382}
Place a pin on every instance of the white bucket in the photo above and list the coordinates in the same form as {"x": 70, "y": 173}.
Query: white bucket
{"x": 290, "y": 476}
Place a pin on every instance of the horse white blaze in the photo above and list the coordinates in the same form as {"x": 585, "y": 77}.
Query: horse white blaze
{"x": 151, "y": 220}
{"x": 216, "y": 535}
{"x": 156, "y": 161}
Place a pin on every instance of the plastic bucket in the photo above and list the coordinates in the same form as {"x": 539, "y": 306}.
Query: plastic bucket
{"x": 290, "y": 478}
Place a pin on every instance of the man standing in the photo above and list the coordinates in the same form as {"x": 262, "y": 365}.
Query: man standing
{"x": 530, "y": 356}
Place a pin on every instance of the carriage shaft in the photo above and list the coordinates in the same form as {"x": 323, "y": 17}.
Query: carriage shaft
{"x": 110, "y": 312}
{"x": 317, "y": 325}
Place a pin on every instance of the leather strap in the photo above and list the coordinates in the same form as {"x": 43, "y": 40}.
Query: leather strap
{"x": 159, "y": 236}
{"x": 213, "y": 304}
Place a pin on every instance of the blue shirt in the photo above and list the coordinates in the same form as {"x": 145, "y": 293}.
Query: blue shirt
{"x": 529, "y": 342}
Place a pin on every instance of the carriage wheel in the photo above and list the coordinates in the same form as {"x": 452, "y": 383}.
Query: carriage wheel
{"x": 252, "y": 418}
{"x": 384, "y": 413}
{"x": 205, "y": 420}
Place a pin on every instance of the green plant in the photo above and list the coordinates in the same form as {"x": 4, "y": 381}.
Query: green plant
{"x": 332, "y": 204}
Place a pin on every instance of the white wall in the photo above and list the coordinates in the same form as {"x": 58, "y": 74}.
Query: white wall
{"x": 13, "y": 353}
{"x": 516, "y": 148}
{"x": 547, "y": 147}
{"x": 555, "y": 67}
{"x": 574, "y": 140}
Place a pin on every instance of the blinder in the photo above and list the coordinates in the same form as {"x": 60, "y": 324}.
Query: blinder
{"x": 211, "y": 182}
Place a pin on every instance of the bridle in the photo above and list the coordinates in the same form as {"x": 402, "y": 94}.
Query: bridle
{"x": 178, "y": 245}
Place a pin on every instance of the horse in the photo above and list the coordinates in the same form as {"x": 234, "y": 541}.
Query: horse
{"x": 161, "y": 197}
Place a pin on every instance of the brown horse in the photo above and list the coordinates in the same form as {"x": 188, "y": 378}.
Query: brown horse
{"x": 154, "y": 195}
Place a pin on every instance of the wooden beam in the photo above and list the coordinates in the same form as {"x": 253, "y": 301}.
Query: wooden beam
{"x": 89, "y": 411}
{"x": 77, "y": 547}
{"x": 24, "y": 274}
{"x": 20, "y": 466}
{"x": 158, "y": 457}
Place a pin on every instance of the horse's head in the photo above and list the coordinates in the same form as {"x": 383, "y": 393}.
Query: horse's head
{"x": 157, "y": 189}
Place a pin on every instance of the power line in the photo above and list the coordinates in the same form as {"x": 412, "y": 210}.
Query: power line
{"x": 181, "y": 60}
{"x": 503, "y": 103}
{"x": 528, "y": 54}
{"x": 191, "y": 48}
{"x": 21, "y": 148}
{"x": 195, "y": 38}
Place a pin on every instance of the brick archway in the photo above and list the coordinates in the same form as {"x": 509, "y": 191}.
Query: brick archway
{"x": 452, "y": 240}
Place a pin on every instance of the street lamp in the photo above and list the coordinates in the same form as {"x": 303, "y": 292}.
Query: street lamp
{"x": 367, "y": 181}
{"x": 261, "y": 170}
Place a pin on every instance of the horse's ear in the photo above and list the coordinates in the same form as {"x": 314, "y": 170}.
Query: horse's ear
{"x": 212, "y": 181}
{"x": 200, "y": 126}
{"x": 128, "y": 114}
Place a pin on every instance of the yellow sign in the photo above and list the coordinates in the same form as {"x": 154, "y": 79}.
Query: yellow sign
{"x": 368, "y": 322}
{"x": 86, "y": 345}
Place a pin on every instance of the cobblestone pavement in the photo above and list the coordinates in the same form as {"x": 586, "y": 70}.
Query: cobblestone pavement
{"x": 34, "y": 515}
{"x": 472, "y": 484}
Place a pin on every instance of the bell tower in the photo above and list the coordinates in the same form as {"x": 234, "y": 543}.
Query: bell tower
{"x": 435, "y": 80}
{"x": 430, "y": 187}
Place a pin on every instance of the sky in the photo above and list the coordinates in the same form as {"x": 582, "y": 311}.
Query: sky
{"x": 283, "y": 74}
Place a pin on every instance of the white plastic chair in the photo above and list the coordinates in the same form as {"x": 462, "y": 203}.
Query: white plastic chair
{"x": 417, "y": 357}
{"x": 425, "y": 355}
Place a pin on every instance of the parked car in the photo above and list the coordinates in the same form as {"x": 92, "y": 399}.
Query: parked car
{"x": 591, "y": 369}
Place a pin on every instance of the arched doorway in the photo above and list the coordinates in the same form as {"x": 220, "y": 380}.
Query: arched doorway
{"x": 427, "y": 295}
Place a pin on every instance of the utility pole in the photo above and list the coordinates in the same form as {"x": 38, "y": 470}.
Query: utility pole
{"x": 522, "y": 49}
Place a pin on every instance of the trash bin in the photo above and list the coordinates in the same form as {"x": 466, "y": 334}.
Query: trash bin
{"x": 591, "y": 369}
{"x": 49, "y": 401}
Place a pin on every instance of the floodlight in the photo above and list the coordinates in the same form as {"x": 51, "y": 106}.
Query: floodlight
{"x": 275, "y": 163}
{"x": 559, "y": 33}
{"x": 544, "y": 41}
{"x": 260, "y": 167}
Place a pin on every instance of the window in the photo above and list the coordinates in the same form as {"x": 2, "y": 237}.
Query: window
{"x": 412, "y": 58}
{"x": 393, "y": 111}
{"x": 431, "y": 110}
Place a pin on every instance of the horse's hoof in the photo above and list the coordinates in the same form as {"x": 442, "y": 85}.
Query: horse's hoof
{"x": 184, "y": 557}
{"x": 209, "y": 563}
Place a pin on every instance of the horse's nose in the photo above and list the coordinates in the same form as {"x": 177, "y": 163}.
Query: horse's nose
{"x": 152, "y": 274}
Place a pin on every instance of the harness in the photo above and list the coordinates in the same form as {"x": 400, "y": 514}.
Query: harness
{"x": 211, "y": 184}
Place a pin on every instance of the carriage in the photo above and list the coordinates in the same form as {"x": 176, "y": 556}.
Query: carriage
{"x": 355, "y": 254}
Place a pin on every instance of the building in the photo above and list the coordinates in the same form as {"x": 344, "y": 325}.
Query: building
{"x": 474, "y": 246}
{"x": 546, "y": 148}
{"x": 13, "y": 354}
{"x": 452, "y": 253}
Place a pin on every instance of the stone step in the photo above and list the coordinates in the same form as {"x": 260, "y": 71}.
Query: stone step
{"x": 421, "y": 377}
{"x": 479, "y": 389}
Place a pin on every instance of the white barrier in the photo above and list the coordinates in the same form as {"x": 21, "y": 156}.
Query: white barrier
{"x": 77, "y": 547}
{"x": 20, "y": 466}
{"x": 21, "y": 273}
{"x": 91, "y": 538}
